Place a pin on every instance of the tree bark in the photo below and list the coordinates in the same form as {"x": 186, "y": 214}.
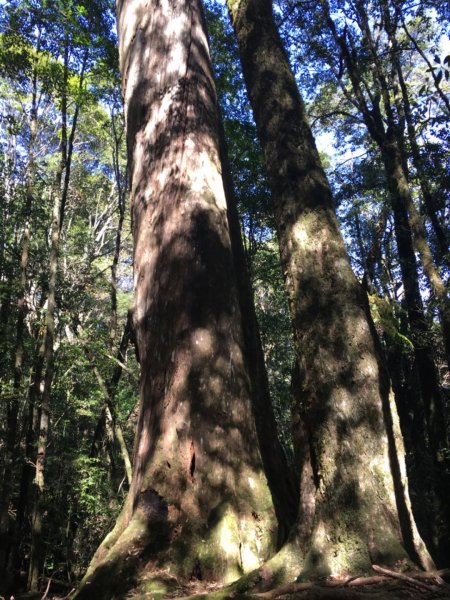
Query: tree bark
{"x": 342, "y": 418}
{"x": 199, "y": 503}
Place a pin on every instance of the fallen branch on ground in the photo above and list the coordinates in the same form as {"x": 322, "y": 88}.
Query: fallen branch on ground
{"x": 420, "y": 585}
{"x": 414, "y": 579}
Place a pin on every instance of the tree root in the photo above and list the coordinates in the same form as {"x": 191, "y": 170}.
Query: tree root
{"x": 402, "y": 577}
{"x": 335, "y": 590}
{"x": 387, "y": 585}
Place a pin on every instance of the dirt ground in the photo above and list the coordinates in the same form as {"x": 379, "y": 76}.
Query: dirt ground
{"x": 386, "y": 585}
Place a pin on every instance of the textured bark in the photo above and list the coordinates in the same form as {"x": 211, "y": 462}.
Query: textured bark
{"x": 342, "y": 418}
{"x": 199, "y": 503}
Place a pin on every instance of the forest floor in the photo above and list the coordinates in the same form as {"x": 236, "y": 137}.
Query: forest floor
{"x": 375, "y": 588}
{"x": 387, "y": 585}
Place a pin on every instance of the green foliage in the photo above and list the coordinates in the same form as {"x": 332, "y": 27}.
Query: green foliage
{"x": 84, "y": 473}
{"x": 84, "y": 470}
{"x": 276, "y": 333}
{"x": 386, "y": 317}
{"x": 98, "y": 507}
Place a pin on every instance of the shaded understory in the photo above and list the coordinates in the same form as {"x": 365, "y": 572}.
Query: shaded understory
{"x": 392, "y": 585}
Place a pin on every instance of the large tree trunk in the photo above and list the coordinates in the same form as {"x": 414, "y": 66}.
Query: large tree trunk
{"x": 354, "y": 508}
{"x": 199, "y": 503}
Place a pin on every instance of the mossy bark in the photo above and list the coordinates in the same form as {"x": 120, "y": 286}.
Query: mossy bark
{"x": 353, "y": 512}
{"x": 199, "y": 505}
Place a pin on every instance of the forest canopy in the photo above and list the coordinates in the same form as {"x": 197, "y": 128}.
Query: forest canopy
{"x": 224, "y": 297}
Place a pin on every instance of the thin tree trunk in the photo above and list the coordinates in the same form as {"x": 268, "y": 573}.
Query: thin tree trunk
{"x": 47, "y": 353}
{"x": 434, "y": 410}
{"x": 419, "y": 233}
{"x": 59, "y": 194}
{"x": 419, "y": 330}
{"x": 392, "y": 146}
{"x": 427, "y": 194}
{"x": 27, "y": 467}
{"x": 343, "y": 407}
{"x": 121, "y": 195}
{"x": 109, "y": 419}
{"x": 8, "y": 187}
{"x": 374, "y": 256}
{"x": 112, "y": 384}
{"x": 114, "y": 428}
{"x": 436, "y": 283}
{"x": 419, "y": 461}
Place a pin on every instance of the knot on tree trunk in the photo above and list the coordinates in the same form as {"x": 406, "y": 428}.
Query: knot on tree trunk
{"x": 152, "y": 506}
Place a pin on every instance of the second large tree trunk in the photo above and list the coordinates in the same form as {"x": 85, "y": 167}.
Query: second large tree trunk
{"x": 199, "y": 503}
{"x": 428, "y": 380}
{"x": 353, "y": 512}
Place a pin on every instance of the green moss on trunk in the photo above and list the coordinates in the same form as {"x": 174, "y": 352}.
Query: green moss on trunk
{"x": 199, "y": 504}
{"x": 351, "y": 489}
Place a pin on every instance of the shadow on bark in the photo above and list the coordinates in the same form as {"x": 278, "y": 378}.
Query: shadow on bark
{"x": 196, "y": 457}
